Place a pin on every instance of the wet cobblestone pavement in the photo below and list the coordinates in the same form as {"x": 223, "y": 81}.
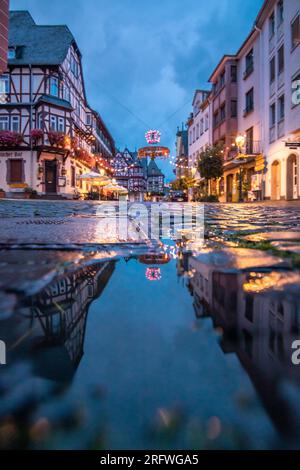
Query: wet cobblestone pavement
{"x": 158, "y": 345}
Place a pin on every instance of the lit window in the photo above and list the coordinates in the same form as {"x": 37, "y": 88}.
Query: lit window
{"x": 11, "y": 53}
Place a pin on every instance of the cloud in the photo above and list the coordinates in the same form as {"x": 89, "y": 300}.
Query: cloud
{"x": 143, "y": 59}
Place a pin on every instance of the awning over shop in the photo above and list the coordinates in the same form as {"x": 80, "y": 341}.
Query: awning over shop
{"x": 95, "y": 179}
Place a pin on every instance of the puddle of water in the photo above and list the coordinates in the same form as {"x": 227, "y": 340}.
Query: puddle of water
{"x": 145, "y": 351}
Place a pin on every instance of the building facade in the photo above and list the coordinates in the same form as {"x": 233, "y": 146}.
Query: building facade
{"x": 131, "y": 173}
{"x": 49, "y": 135}
{"x": 155, "y": 180}
{"x": 182, "y": 154}
{"x": 199, "y": 132}
{"x": 4, "y": 8}
{"x": 255, "y": 109}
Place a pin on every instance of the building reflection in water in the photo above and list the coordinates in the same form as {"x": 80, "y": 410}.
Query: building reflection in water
{"x": 52, "y": 323}
{"x": 257, "y": 311}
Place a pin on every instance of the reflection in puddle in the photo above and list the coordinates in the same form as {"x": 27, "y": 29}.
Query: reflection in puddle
{"x": 100, "y": 356}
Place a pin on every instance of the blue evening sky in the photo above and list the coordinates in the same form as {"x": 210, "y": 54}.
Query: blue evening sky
{"x": 143, "y": 59}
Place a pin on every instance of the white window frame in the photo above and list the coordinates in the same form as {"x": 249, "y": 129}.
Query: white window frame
{"x": 53, "y": 120}
{"x": 15, "y": 119}
{"x": 54, "y": 84}
{"x": 4, "y": 85}
{"x": 4, "y": 123}
{"x": 61, "y": 124}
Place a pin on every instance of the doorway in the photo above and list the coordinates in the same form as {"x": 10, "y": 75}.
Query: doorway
{"x": 275, "y": 181}
{"x": 292, "y": 178}
{"x": 50, "y": 176}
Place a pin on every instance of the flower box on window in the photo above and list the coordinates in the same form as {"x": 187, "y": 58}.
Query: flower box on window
{"x": 36, "y": 135}
{"x": 56, "y": 139}
{"x": 10, "y": 139}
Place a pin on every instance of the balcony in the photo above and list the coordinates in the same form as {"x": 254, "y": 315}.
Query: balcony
{"x": 253, "y": 147}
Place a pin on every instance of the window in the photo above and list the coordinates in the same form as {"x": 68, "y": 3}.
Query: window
{"x": 296, "y": 32}
{"x": 11, "y": 53}
{"x": 272, "y": 69}
{"x": 66, "y": 93}
{"x": 233, "y": 71}
{"x": 4, "y": 85}
{"x": 40, "y": 121}
{"x": 272, "y": 25}
{"x": 249, "y": 63}
{"x": 222, "y": 79}
{"x": 61, "y": 124}
{"x": 15, "y": 171}
{"x": 201, "y": 127}
{"x": 216, "y": 119}
{"x": 88, "y": 119}
{"x": 206, "y": 122}
{"x": 15, "y": 124}
{"x": 222, "y": 112}
{"x": 272, "y": 115}
{"x": 74, "y": 66}
{"x": 249, "y": 141}
{"x": 250, "y": 100}
{"x": 73, "y": 176}
{"x": 54, "y": 86}
{"x": 281, "y": 112}
{"x": 4, "y": 123}
{"x": 77, "y": 109}
{"x": 296, "y": 90}
{"x": 53, "y": 123}
{"x": 233, "y": 107}
{"x": 280, "y": 12}
{"x": 281, "y": 59}
{"x": 197, "y": 131}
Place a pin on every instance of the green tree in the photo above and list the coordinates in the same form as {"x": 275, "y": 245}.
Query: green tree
{"x": 210, "y": 164}
{"x": 183, "y": 184}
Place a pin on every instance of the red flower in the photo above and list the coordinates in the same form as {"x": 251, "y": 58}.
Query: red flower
{"x": 36, "y": 134}
{"x": 10, "y": 139}
{"x": 56, "y": 138}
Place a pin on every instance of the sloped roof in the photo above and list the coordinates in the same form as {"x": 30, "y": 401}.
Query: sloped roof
{"x": 38, "y": 45}
{"x": 153, "y": 169}
{"x": 56, "y": 101}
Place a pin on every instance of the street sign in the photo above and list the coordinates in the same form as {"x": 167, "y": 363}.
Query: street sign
{"x": 292, "y": 145}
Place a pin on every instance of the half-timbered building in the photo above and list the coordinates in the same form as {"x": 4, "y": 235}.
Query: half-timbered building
{"x": 49, "y": 135}
{"x": 4, "y": 6}
{"x": 155, "y": 179}
{"x": 131, "y": 173}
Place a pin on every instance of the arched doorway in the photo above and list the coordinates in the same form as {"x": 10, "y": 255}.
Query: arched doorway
{"x": 292, "y": 173}
{"x": 275, "y": 181}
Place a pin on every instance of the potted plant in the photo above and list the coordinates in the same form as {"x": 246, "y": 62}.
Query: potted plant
{"x": 2, "y": 193}
{"x": 30, "y": 193}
